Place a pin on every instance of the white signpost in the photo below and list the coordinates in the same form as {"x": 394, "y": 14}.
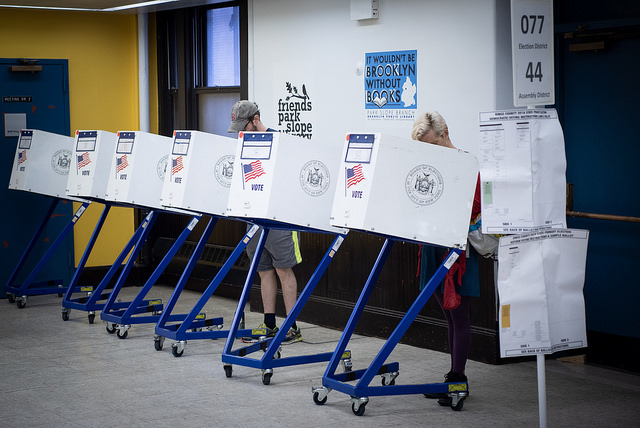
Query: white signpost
{"x": 532, "y": 51}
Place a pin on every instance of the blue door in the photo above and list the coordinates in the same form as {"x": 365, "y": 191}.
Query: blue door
{"x": 37, "y": 90}
{"x": 599, "y": 91}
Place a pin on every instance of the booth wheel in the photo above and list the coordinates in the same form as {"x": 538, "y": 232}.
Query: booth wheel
{"x": 91, "y": 318}
{"x": 266, "y": 376}
{"x": 358, "y": 405}
{"x": 359, "y": 411}
{"x": 21, "y": 302}
{"x": 111, "y": 327}
{"x": 65, "y": 315}
{"x": 228, "y": 370}
{"x": 317, "y": 400}
{"x": 11, "y": 298}
{"x": 455, "y": 404}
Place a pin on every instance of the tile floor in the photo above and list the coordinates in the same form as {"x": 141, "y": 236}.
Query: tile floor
{"x": 70, "y": 374}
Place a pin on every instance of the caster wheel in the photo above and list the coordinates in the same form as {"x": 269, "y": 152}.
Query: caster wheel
{"x": 122, "y": 335}
{"x": 92, "y": 318}
{"x": 11, "y": 298}
{"x": 158, "y": 343}
{"x": 384, "y": 382}
{"x": 458, "y": 405}
{"x": 176, "y": 353}
{"x": 21, "y": 302}
{"x": 65, "y": 316}
{"x": 317, "y": 400}
{"x": 266, "y": 378}
{"x": 360, "y": 410}
{"x": 111, "y": 328}
{"x": 228, "y": 371}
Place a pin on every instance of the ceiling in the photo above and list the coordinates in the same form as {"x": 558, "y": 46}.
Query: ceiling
{"x": 112, "y": 6}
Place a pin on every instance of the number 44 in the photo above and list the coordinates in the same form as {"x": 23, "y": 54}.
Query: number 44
{"x": 534, "y": 74}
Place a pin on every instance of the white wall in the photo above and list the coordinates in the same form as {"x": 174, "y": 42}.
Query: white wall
{"x": 463, "y": 60}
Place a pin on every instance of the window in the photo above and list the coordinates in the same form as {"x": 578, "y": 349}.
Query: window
{"x": 222, "y": 47}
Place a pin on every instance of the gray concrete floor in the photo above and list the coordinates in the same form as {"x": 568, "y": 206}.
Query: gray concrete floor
{"x": 71, "y": 374}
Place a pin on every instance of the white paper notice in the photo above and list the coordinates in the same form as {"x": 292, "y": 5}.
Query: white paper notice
{"x": 522, "y": 169}
{"x": 540, "y": 284}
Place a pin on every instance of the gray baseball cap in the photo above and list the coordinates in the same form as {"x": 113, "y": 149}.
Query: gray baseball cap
{"x": 241, "y": 113}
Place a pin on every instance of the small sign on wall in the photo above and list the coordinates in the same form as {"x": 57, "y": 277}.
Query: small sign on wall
{"x": 391, "y": 85}
{"x": 13, "y": 123}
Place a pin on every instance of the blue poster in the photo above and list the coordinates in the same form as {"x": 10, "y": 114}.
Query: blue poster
{"x": 390, "y": 85}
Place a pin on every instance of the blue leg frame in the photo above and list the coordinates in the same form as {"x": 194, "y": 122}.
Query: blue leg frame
{"x": 271, "y": 346}
{"x": 361, "y": 390}
{"x": 120, "y": 319}
{"x": 195, "y": 319}
{"x": 29, "y": 287}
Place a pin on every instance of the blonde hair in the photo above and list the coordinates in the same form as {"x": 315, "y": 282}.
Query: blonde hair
{"x": 431, "y": 120}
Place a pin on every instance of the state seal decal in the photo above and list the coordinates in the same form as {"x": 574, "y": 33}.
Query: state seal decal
{"x": 224, "y": 170}
{"x": 161, "y": 167}
{"x": 314, "y": 178}
{"x": 424, "y": 185}
{"x": 61, "y": 161}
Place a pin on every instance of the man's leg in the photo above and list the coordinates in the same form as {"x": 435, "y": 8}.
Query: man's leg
{"x": 268, "y": 290}
{"x": 289, "y": 288}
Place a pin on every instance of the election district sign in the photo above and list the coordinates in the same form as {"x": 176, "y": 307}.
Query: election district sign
{"x": 540, "y": 283}
{"x": 532, "y": 52}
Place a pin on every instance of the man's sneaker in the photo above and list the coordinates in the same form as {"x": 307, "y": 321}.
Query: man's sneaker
{"x": 262, "y": 330}
{"x": 293, "y": 336}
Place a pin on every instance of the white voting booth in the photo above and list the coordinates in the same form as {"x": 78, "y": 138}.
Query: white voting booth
{"x": 138, "y": 166}
{"x": 41, "y": 164}
{"x": 91, "y": 164}
{"x": 284, "y": 178}
{"x": 405, "y": 188}
{"x": 199, "y": 172}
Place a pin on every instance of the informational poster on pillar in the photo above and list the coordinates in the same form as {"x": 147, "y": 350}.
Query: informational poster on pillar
{"x": 390, "y": 85}
{"x": 540, "y": 286}
{"x": 522, "y": 170}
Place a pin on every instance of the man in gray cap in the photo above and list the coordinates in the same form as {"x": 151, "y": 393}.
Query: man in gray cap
{"x": 281, "y": 251}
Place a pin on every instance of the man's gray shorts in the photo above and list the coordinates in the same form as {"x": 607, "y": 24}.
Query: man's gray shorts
{"x": 282, "y": 249}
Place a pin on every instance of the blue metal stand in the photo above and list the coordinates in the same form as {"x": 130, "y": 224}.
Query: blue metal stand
{"x": 271, "y": 346}
{"x": 94, "y": 297}
{"x": 455, "y": 392}
{"x": 120, "y": 319}
{"x": 19, "y": 293}
{"x": 195, "y": 320}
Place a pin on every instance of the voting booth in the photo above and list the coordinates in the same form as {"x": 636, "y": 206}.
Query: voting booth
{"x": 42, "y": 162}
{"x": 406, "y": 189}
{"x": 198, "y": 178}
{"x": 284, "y": 178}
{"x": 281, "y": 182}
{"x": 91, "y": 164}
{"x": 138, "y": 167}
{"x": 41, "y": 165}
{"x": 199, "y": 172}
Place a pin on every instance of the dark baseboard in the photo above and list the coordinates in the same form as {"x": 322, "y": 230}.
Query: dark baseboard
{"x": 424, "y": 332}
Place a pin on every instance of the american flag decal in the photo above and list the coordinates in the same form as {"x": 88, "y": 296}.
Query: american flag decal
{"x": 252, "y": 170}
{"x": 176, "y": 165}
{"x": 22, "y": 157}
{"x": 121, "y": 163}
{"x": 354, "y": 175}
{"x": 83, "y": 160}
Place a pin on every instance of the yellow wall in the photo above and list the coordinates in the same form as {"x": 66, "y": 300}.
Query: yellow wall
{"x": 102, "y": 50}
